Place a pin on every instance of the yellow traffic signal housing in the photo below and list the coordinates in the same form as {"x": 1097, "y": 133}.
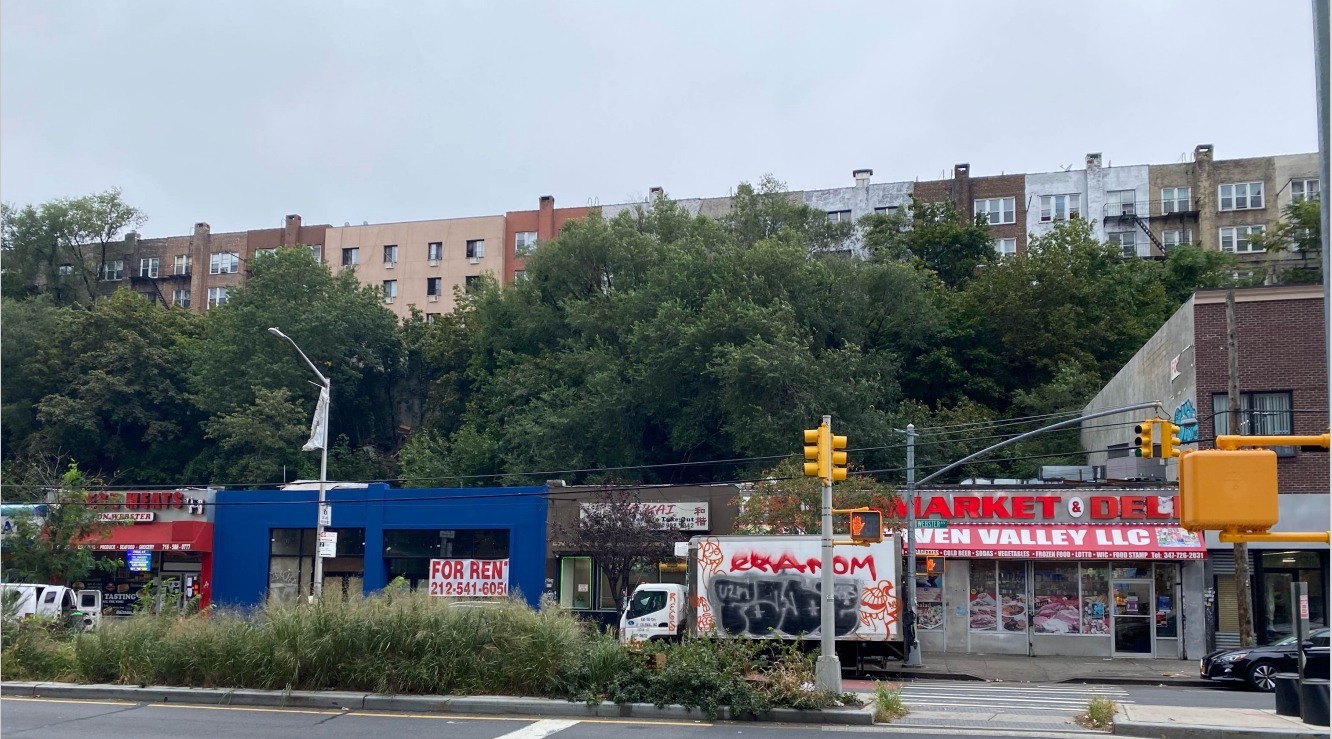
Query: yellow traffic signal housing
{"x": 838, "y": 459}
{"x": 1228, "y": 490}
{"x": 1170, "y": 442}
{"x": 1143, "y": 440}
{"x": 813, "y": 445}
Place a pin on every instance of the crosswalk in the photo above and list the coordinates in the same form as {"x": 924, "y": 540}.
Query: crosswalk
{"x": 1018, "y": 706}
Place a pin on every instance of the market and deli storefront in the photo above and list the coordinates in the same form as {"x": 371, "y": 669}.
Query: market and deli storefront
{"x": 1058, "y": 573}
{"x": 162, "y": 543}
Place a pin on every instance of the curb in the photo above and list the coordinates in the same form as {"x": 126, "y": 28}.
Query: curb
{"x": 1152, "y": 682}
{"x": 480, "y": 705}
{"x": 1192, "y": 731}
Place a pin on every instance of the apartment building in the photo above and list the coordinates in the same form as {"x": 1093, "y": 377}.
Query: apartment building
{"x": 420, "y": 263}
{"x": 198, "y": 271}
{"x": 1000, "y": 199}
{"x": 523, "y": 229}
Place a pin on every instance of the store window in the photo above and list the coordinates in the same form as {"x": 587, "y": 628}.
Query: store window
{"x": 1095, "y": 599}
{"x": 1167, "y": 609}
{"x": 982, "y": 608}
{"x": 576, "y": 582}
{"x": 1013, "y": 596}
{"x": 291, "y": 564}
{"x": 929, "y": 595}
{"x": 407, "y": 552}
{"x": 1278, "y": 612}
{"x": 1054, "y": 590}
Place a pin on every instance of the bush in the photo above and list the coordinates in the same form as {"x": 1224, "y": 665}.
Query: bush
{"x": 32, "y": 651}
{"x": 1100, "y": 714}
{"x": 887, "y": 703}
{"x": 698, "y": 673}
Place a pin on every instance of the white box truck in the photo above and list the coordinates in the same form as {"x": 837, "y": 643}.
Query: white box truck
{"x": 767, "y": 587}
{"x": 27, "y": 600}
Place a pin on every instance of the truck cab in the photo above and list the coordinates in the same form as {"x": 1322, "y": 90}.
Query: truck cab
{"x": 53, "y": 602}
{"x": 654, "y": 611}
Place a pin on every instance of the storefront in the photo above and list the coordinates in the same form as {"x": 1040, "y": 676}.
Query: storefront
{"x": 574, "y": 578}
{"x": 162, "y": 541}
{"x": 376, "y": 534}
{"x": 1090, "y": 572}
{"x": 1273, "y": 566}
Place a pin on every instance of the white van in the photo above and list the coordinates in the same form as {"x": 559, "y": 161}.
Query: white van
{"x": 51, "y": 601}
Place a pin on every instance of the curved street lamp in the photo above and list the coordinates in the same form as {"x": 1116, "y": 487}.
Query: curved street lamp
{"x": 321, "y": 437}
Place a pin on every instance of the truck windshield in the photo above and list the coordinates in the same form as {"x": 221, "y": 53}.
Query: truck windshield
{"x": 646, "y": 602}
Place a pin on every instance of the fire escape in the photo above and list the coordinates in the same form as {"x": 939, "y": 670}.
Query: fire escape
{"x": 1180, "y": 214}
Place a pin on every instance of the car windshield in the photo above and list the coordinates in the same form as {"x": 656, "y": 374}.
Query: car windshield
{"x": 1291, "y": 639}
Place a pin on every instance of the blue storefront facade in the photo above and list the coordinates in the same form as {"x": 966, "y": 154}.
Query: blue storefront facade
{"x": 264, "y": 544}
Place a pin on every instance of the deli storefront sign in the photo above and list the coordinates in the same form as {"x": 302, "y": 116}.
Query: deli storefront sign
{"x": 1061, "y": 541}
{"x": 469, "y": 577}
{"x": 1047, "y": 508}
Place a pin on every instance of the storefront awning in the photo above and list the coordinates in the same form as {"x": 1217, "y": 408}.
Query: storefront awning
{"x": 163, "y": 536}
{"x": 1061, "y": 541}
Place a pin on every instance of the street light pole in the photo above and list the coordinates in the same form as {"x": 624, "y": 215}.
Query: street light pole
{"x": 323, "y": 461}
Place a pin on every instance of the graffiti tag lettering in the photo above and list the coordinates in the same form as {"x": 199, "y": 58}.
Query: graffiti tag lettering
{"x": 784, "y": 606}
{"x": 764, "y": 562}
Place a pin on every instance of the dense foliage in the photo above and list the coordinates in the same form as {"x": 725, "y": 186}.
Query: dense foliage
{"x": 638, "y": 342}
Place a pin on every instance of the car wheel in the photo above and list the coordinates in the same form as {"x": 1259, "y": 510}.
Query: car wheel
{"x": 1262, "y": 676}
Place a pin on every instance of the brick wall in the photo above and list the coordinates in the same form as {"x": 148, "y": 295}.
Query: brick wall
{"x": 1281, "y": 348}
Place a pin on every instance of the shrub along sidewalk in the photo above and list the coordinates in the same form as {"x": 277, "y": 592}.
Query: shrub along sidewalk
{"x": 410, "y": 644}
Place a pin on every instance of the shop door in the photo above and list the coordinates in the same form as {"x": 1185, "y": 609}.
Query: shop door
{"x": 1132, "y": 618}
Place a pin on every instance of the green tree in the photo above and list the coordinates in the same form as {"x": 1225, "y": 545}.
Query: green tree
{"x": 786, "y": 503}
{"x": 61, "y": 247}
{"x": 937, "y": 236}
{"x": 52, "y": 546}
{"x": 260, "y": 443}
{"x": 1294, "y": 247}
{"x": 342, "y": 326}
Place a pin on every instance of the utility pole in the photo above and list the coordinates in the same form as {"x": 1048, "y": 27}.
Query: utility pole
{"x": 912, "y": 646}
{"x": 828, "y": 669}
{"x": 1243, "y": 590}
{"x": 1322, "y": 43}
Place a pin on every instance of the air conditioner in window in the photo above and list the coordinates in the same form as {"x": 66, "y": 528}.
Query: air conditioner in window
{"x": 1286, "y": 451}
{"x": 474, "y": 260}
{"x": 388, "y": 300}
{"x": 390, "y": 265}
{"x": 433, "y": 298}
{"x": 434, "y": 262}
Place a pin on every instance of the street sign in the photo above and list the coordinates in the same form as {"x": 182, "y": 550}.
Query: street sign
{"x": 932, "y": 523}
{"x": 328, "y": 544}
{"x": 325, "y": 514}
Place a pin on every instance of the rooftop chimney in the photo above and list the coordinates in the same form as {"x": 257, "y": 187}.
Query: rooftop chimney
{"x": 546, "y": 218}
{"x": 655, "y": 192}
{"x": 201, "y": 229}
{"x": 1094, "y": 160}
{"x": 862, "y": 177}
{"x": 1202, "y": 153}
{"x": 291, "y": 234}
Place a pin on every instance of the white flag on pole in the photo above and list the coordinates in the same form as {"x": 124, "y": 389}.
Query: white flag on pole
{"x": 318, "y": 427}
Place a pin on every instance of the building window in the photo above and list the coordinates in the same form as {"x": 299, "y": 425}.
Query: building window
{"x": 291, "y": 563}
{"x": 351, "y": 256}
{"x": 1261, "y": 414}
{"x": 390, "y": 254}
{"x": 1005, "y": 247}
{"x": 1060, "y": 207}
{"x": 217, "y": 296}
{"x": 318, "y": 251}
{"x": 224, "y": 263}
{"x": 1303, "y": 190}
{"x": 390, "y": 290}
{"x": 1121, "y": 203}
{"x": 408, "y": 553}
{"x": 476, "y": 248}
{"x": 432, "y": 317}
{"x": 181, "y": 297}
{"x": 519, "y": 275}
{"x": 839, "y": 216}
{"x": 66, "y": 269}
{"x": 181, "y": 265}
{"x": 1175, "y": 237}
{"x": 1127, "y": 241}
{"x": 148, "y": 267}
{"x": 524, "y": 242}
{"x": 1176, "y": 199}
{"x": 433, "y": 285}
{"x": 435, "y": 251}
{"x": 996, "y": 211}
{"x": 470, "y": 282}
{"x": 887, "y": 209}
{"x": 1242, "y": 196}
{"x": 113, "y": 269}
{"x": 264, "y": 252}
{"x": 1236, "y": 238}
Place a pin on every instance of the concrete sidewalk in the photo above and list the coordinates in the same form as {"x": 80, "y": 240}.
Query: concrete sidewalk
{"x": 1177, "y": 722}
{"x": 1022, "y": 669}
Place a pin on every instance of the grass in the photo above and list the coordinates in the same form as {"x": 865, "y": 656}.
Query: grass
{"x": 402, "y": 643}
{"x": 887, "y": 704}
{"x": 1100, "y": 714}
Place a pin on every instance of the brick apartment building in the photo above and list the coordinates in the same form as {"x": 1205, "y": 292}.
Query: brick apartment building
{"x": 524, "y": 228}
{"x": 1283, "y": 385}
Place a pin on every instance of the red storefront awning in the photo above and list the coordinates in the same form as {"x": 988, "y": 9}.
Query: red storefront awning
{"x": 162, "y": 536}
{"x": 1061, "y": 541}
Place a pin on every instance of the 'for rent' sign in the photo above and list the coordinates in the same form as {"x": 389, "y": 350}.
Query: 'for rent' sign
{"x": 469, "y": 577}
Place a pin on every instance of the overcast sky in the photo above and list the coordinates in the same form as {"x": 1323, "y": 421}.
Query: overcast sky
{"x": 239, "y": 112}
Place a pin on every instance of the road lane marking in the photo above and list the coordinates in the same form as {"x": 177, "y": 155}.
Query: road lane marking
{"x": 540, "y": 729}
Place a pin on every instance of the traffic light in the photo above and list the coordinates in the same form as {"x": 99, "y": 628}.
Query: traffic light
{"x": 1170, "y": 442}
{"x": 816, "y": 445}
{"x": 838, "y": 466}
{"x": 1143, "y": 440}
{"x": 866, "y": 525}
{"x": 1228, "y": 490}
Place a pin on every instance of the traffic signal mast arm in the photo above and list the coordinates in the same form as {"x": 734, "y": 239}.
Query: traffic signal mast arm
{"x": 1230, "y": 442}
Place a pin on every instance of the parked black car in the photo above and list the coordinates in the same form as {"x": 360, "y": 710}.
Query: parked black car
{"x": 1258, "y": 666}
